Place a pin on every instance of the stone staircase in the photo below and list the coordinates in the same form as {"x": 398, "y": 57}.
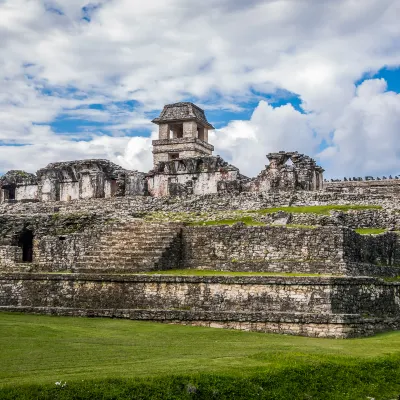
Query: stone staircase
{"x": 134, "y": 247}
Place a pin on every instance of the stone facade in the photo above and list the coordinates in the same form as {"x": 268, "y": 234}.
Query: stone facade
{"x": 319, "y": 307}
{"x": 66, "y": 181}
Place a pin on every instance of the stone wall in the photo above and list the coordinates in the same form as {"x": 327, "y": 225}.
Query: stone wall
{"x": 374, "y": 249}
{"x": 259, "y": 248}
{"x": 384, "y": 186}
{"x": 132, "y": 205}
{"x": 368, "y": 218}
{"x": 324, "y": 307}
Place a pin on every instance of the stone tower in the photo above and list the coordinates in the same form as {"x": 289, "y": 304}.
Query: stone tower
{"x": 183, "y": 133}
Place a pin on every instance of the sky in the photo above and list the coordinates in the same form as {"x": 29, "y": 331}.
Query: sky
{"x": 83, "y": 79}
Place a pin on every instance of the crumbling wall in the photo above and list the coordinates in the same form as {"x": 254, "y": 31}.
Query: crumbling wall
{"x": 301, "y": 174}
{"x": 193, "y": 176}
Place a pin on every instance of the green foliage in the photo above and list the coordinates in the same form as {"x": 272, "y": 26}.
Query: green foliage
{"x": 315, "y": 209}
{"x": 208, "y": 272}
{"x": 249, "y": 221}
{"x": 122, "y": 359}
{"x": 370, "y": 231}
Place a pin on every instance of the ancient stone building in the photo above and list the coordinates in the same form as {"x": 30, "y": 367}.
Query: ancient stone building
{"x": 302, "y": 173}
{"x": 183, "y": 165}
{"x": 183, "y": 133}
{"x": 71, "y": 180}
{"x": 183, "y": 161}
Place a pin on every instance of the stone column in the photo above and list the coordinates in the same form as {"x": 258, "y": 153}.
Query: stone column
{"x": 163, "y": 131}
{"x": 190, "y": 129}
{"x": 206, "y": 135}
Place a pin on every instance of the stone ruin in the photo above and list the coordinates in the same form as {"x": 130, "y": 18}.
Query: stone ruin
{"x": 80, "y": 237}
{"x": 183, "y": 165}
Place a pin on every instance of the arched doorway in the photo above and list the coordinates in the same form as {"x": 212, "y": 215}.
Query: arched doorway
{"x": 26, "y": 243}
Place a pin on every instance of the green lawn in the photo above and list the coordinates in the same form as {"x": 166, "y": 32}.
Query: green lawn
{"x": 173, "y": 361}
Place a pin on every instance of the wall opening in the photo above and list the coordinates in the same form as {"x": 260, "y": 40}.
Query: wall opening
{"x": 11, "y": 192}
{"x": 26, "y": 243}
{"x": 176, "y": 131}
{"x": 173, "y": 156}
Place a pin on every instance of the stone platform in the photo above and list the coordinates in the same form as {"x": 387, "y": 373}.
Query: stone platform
{"x": 334, "y": 307}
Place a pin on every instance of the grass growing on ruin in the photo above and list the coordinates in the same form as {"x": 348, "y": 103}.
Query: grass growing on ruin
{"x": 249, "y": 221}
{"x": 206, "y": 272}
{"x": 249, "y": 217}
{"x": 122, "y": 359}
{"x": 370, "y": 231}
{"x": 315, "y": 209}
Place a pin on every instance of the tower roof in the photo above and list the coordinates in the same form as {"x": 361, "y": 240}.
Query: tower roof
{"x": 179, "y": 112}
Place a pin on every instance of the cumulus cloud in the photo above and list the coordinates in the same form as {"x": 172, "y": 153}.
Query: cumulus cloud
{"x": 366, "y": 136}
{"x": 246, "y": 143}
{"x": 363, "y": 141}
{"x": 57, "y": 58}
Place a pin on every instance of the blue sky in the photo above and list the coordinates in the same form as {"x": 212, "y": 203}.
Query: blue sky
{"x": 83, "y": 80}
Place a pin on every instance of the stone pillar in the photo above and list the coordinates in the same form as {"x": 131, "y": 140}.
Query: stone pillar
{"x": 91, "y": 185}
{"x": 49, "y": 190}
{"x": 3, "y": 195}
{"x": 163, "y": 131}
{"x": 206, "y": 135}
{"x": 189, "y": 129}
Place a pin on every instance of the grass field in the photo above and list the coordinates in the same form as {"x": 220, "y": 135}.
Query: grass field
{"x": 113, "y": 359}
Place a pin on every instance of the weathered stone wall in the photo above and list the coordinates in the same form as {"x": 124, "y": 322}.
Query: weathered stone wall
{"x": 323, "y": 307}
{"x": 192, "y": 176}
{"x": 374, "y": 249}
{"x": 131, "y": 205}
{"x": 369, "y": 218}
{"x": 259, "y": 248}
{"x": 385, "y": 186}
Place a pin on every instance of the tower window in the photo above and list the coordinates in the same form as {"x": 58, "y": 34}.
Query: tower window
{"x": 173, "y": 156}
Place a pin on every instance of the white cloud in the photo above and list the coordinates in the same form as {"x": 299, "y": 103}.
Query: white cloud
{"x": 366, "y": 136}
{"x": 54, "y": 62}
{"x": 246, "y": 143}
{"x": 364, "y": 140}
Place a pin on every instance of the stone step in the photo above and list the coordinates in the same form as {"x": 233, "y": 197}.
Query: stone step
{"x": 152, "y": 237}
{"x": 133, "y": 239}
{"x": 143, "y": 229}
{"x": 110, "y": 256}
{"x": 126, "y": 249}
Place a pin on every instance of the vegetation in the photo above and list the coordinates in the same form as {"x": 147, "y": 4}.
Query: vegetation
{"x": 206, "y": 272}
{"x": 370, "y": 231}
{"x": 249, "y": 217}
{"x": 47, "y": 357}
{"x": 246, "y": 220}
{"x": 315, "y": 209}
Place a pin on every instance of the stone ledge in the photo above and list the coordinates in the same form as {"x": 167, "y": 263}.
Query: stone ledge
{"x": 158, "y": 314}
{"x": 242, "y": 280}
{"x": 322, "y": 325}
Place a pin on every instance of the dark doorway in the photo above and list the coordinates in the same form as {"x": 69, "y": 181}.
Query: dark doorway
{"x": 11, "y": 193}
{"x": 26, "y": 242}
